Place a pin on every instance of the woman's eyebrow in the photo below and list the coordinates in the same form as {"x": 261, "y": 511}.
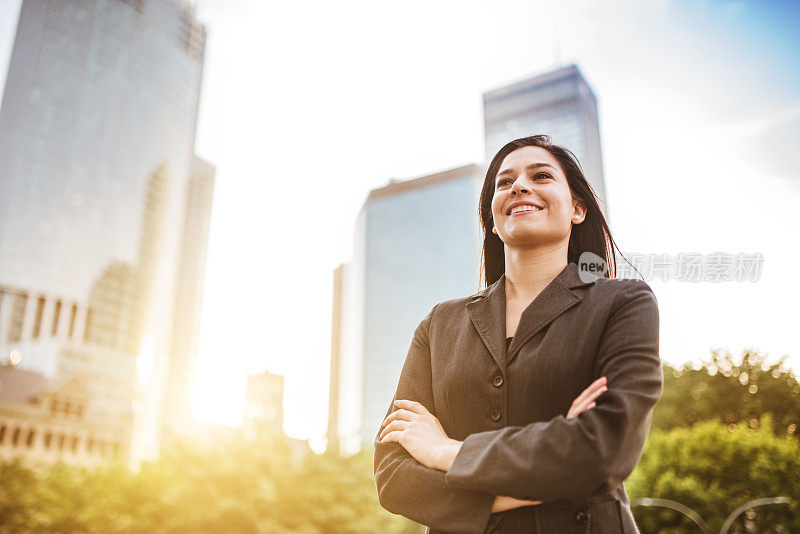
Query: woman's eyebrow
{"x": 529, "y": 167}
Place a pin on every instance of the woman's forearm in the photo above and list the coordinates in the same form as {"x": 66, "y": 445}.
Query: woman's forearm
{"x": 501, "y": 502}
{"x": 504, "y": 502}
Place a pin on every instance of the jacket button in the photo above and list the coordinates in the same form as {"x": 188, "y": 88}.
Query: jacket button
{"x": 582, "y": 516}
{"x": 498, "y": 381}
{"x": 496, "y": 414}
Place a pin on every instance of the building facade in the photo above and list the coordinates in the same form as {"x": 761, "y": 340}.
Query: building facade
{"x": 48, "y": 421}
{"x": 97, "y": 131}
{"x": 179, "y": 391}
{"x": 417, "y": 242}
{"x": 334, "y": 392}
{"x": 559, "y": 103}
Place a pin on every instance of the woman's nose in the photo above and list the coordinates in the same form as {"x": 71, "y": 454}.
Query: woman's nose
{"x": 518, "y": 188}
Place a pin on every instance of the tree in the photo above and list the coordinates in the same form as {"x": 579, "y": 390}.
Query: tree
{"x": 730, "y": 392}
{"x": 714, "y": 468}
{"x": 243, "y": 487}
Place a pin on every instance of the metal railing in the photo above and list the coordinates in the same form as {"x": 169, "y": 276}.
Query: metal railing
{"x": 695, "y": 517}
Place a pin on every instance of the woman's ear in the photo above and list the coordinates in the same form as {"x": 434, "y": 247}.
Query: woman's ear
{"x": 579, "y": 211}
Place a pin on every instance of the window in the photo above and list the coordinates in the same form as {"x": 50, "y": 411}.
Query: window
{"x": 17, "y": 317}
{"x": 88, "y": 324}
{"x": 48, "y": 439}
{"x": 56, "y": 316}
{"x": 72, "y": 317}
{"x": 37, "y": 323}
{"x": 30, "y": 439}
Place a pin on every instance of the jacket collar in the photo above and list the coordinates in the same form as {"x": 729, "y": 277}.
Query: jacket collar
{"x": 487, "y": 310}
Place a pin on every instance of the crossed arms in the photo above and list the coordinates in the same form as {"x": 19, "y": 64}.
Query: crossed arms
{"x": 557, "y": 459}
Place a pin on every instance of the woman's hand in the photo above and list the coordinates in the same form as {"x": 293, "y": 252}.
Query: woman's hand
{"x": 420, "y": 433}
{"x": 586, "y": 399}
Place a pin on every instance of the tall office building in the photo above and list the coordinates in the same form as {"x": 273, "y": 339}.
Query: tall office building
{"x": 417, "y": 242}
{"x": 332, "y": 433}
{"x": 347, "y": 358}
{"x": 96, "y": 144}
{"x": 558, "y": 103}
{"x": 178, "y": 417}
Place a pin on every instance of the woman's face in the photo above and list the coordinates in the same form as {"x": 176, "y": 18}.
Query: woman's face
{"x": 530, "y": 177}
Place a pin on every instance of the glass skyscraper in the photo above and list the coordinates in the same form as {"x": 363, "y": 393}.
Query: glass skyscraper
{"x": 177, "y": 417}
{"x": 558, "y": 103}
{"x": 96, "y": 144}
{"x": 417, "y": 242}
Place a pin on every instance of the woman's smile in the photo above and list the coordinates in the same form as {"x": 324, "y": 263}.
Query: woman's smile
{"x": 526, "y": 210}
{"x": 523, "y": 206}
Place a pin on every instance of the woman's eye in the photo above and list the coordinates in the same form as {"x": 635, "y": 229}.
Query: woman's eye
{"x": 540, "y": 176}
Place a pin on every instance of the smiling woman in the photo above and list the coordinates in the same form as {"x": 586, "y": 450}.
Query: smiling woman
{"x": 524, "y": 407}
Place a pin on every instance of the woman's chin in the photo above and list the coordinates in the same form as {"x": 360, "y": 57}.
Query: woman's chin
{"x": 529, "y": 238}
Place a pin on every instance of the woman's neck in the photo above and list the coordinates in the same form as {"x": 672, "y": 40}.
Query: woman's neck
{"x": 529, "y": 271}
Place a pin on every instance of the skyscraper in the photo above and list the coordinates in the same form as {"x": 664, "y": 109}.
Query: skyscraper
{"x": 97, "y": 132}
{"x": 334, "y": 404}
{"x": 558, "y": 103}
{"x": 417, "y": 242}
{"x": 179, "y": 398}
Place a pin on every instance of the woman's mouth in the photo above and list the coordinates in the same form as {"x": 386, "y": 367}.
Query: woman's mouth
{"x": 523, "y": 210}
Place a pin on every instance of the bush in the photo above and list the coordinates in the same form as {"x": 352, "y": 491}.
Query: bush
{"x": 713, "y": 468}
{"x": 244, "y": 487}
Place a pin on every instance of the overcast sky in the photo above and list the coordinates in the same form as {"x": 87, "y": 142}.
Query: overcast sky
{"x": 315, "y": 103}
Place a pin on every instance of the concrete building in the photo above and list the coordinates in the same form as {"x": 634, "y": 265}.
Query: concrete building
{"x": 47, "y": 421}
{"x": 97, "y": 131}
{"x": 178, "y": 417}
{"x": 417, "y": 242}
{"x": 334, "y": 393}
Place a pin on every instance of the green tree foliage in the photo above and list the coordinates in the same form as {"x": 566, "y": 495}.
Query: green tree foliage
{"x": 713, "y": 468}
{"x": 243, "y": 487}
{"x": 730, "y": 391}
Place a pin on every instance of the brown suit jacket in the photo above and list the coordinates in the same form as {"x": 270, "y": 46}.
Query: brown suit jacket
{"x": 509, "y": 408}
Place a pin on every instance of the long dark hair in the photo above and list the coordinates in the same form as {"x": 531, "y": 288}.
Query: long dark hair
{"x": 593, "y": 234}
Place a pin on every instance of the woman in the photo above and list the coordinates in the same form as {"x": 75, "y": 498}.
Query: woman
{"x": 536, "y": 434}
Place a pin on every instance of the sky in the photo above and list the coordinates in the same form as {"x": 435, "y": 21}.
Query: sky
{"x": 316, "y": 103}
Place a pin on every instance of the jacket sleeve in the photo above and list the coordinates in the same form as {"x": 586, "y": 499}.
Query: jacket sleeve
{"x": 594, "y": 452}
{"x": 407, "y": 487}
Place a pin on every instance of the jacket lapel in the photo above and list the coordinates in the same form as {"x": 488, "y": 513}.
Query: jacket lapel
{"x": 488, "y": 312}
{"x": 487, "y": 309}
